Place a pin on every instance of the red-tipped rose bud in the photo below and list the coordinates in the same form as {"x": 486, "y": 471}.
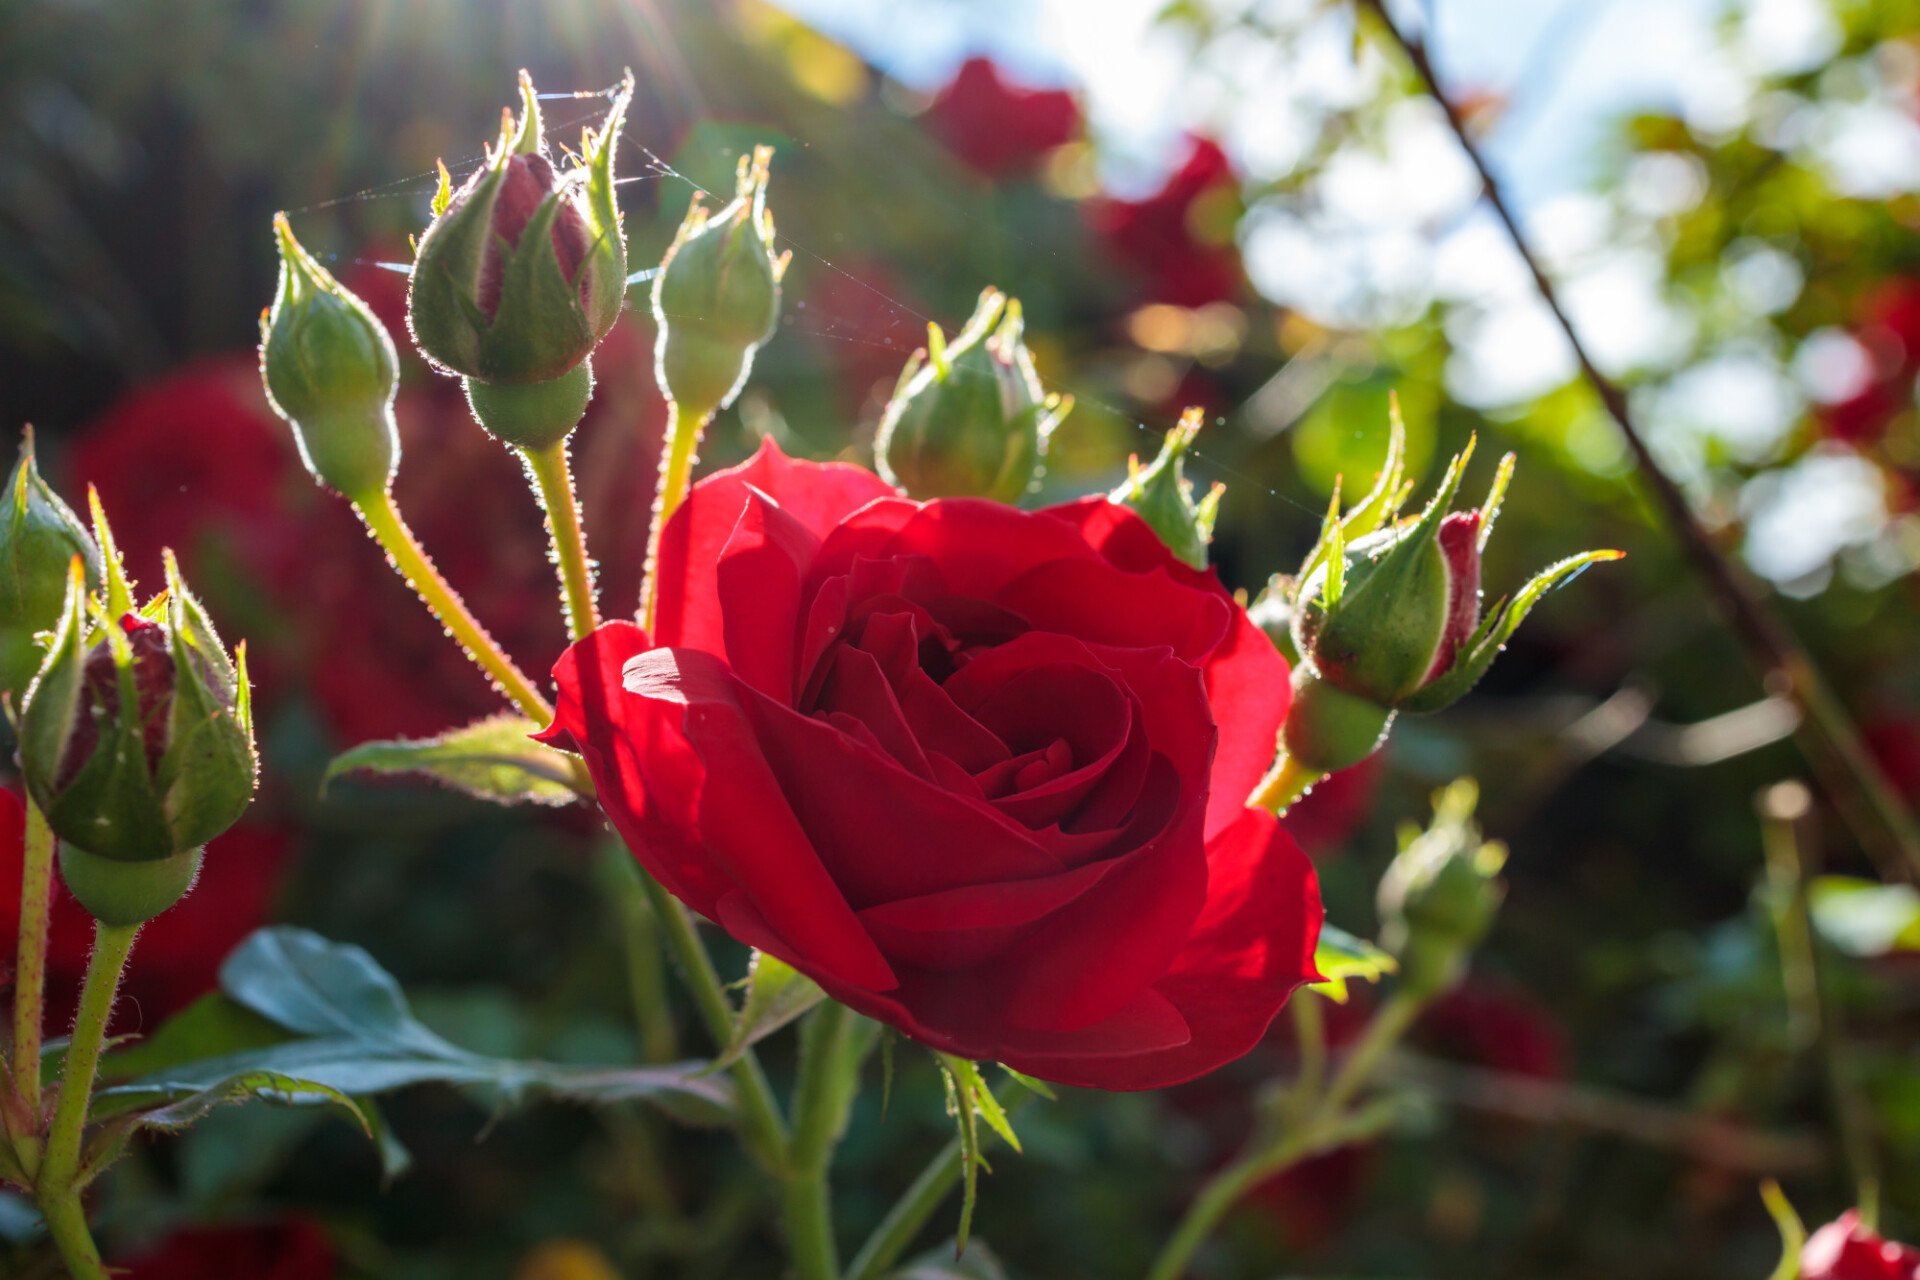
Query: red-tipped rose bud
{"x": 137, "y": 743}
{"x": 523, "y": 269}
{"x": 39, "y": 537}
{"x": 969, "y": 418}
{"x": 717, "y": 297}
{"x": 1845, "y": 1249}
{"x": 1391, "y": 621}
{"x": 1163, "y": 497}
{"x": 331, "y": 372}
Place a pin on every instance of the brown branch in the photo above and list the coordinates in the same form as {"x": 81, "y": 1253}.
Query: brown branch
{"x": 1720, "y": 1143}
{"x": 1848, "y": 775}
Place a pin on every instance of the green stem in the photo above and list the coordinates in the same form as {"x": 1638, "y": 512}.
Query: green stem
{"x": 30, "y": 981}
{"x": 383, "y": 520}
{"x": 1285, "y": 783}
{"x": 820, "y": 1103}
{"x": 640, "y": 941}
{"x": 1310, "y": 1035}
{"x": 676, "y": 477}
{"x": 1384, "y": 1029}
{"x": 762, "y": 1130}
{"x": 909, "y": 1214}
{"x": 54, "y": 1187}
{"x": 553, "y": 477}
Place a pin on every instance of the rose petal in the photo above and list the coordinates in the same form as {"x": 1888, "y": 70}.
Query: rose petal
{"x": 857, "y": 688}
{"x": 1250, "y": 948}
{"x": 1101, "y": 604}
{"x": 758, "y": 586}
{"x": 981, "y": 546}
{"x": 748, "y": 829}
{"x": 637, "y": 760}
{"x": 960, "y": 928}
{"x": 818, "y": 495}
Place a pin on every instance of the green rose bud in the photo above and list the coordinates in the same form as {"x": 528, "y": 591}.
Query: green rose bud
{"x": 39, "y": 539}
{"x": 1438, "y": 898}
{"x": 136, "y": 740}
{"x": 717, "y": 296}
{"x": 970, "y": 418}
{"x": 523, "y": 269}
{"x": 330, "y": 371}
{"x": 1163, "y": 497}
{"x": 1386, "y": 615}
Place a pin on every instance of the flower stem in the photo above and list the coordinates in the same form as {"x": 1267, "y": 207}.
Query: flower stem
{"x": 1285, "y": 783}
{"x": 819, "y": 1110}
{"x": 916, "y": 1204}
{"x": 54, "y": 1186}
{"x": 676, "y": 477}
{"x": 1324, "y": 1127}
{"x": 30, "y": 980}
{"x": 1850, "y": 776}
{"x": 405, "y": 553}
{"x": 762, "y": 1131}
{"x": 553, "y": 479}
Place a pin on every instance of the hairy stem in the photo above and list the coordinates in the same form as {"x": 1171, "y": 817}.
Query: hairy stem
{"x": 383, "y": 520}
{"x": 1847, "y": 773}
{"x": 819, "y": 1106}
{"x": 1285, "y": 783}
{"x": 54, "y": 1188}
{"x": 676, "y": 477}
{"x": 30, "y": 972}
{"x": 553, "y": 479}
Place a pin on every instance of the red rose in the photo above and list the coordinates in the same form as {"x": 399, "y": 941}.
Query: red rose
{"x": 1181, "y": 237}
{"x": 1846, "y": 1250}
{"x": 979, "y": 772}
{"x": 291, "y": 1250}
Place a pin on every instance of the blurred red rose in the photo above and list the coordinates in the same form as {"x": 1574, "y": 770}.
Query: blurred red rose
{"x": 295, "y": 1249}
{"x": 1496, "y": 1025}
{"x": 1887, "y": 324}
{"x": 998, "y": 128}
{"x": 1059, "y": 720}
{"x": 1180, "y": 239}
{"x": 1845, "y": 1250}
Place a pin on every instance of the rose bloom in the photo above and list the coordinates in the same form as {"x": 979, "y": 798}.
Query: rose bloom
{"x": 980, "y": 772}
{"x": 294, "y": 1249}
{"x": 1845, "y": 1250}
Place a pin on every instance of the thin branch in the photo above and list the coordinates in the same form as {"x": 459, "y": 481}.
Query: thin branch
{"x": 1847, "y": 773}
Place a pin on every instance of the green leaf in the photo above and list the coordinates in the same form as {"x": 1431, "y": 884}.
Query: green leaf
{"x": 354, "y": 1034}
{"x": 492, "y": 759}
{"x": 1865, "y": 918}
{"x": 1340, "y": 956}
{"x": 946, "y": 1262}
{"x": 969, "y": 1101}
{"x": 1040, "y": 1087}
{"x": 777, "y": 993}
{"x": 211, "y": 1026}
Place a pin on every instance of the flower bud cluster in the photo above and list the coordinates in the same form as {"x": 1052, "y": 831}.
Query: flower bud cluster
{"x": 1385, "y": 615}
{"x": 970, "y": 418}
{"x": 39, "y": 537}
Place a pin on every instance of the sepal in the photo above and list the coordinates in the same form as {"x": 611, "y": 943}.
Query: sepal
{"x": 1162, "y": 496}
{"x": 39, "y": 538}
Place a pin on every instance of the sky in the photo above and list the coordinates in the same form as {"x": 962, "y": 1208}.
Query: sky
{"x": 1393, "y": 229}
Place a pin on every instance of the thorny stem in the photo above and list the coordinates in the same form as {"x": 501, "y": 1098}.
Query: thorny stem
{"x": 54, "y": 1187}
{"x": 30, "y": 980}
{"x": 676, "y": 477}
{"x": 1848, "y": 774}
{"x": 553, "y": 478}
{"x": 405, "y": 553}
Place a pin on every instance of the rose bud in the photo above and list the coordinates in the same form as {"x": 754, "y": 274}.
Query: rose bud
{"x": 1439, "y": 895}
{"x": 717, "y": 296}
{"x": 330, "y": 370}
{"x": 969, "y": 418}
{"x": 136, "y": 741}
{"x": 524, "y": 269}
{"x": 981, "y": 773}
{"x": 1163, "y": 497}
{"x": 1391, "y": 621}
{"x": 1845, "y": 1249}
{"x": 39, "y": 539}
